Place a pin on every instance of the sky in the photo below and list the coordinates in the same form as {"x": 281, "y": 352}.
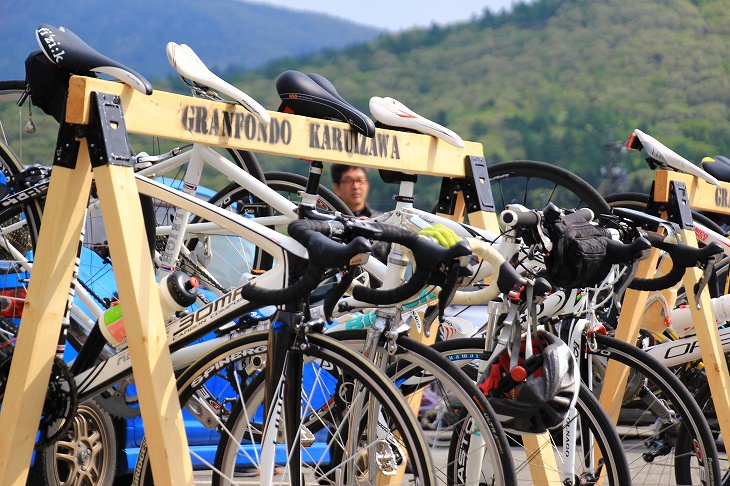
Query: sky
{"x": 394, "y": 15}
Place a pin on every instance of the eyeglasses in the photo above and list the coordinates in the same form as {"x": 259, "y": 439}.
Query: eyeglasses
{"x": 350, "y": 182}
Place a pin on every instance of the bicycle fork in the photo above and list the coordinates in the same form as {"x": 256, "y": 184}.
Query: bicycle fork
{"x": 282, "y": 405}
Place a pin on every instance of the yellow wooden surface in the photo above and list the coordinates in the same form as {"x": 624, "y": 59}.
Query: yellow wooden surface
{"x": 184, "y": 118}
{"x": 188, "y": 119}
{"x": 627, "y": 329}
{"x": 703, "y": 195}
{"x": 144, "y": 323}
{"x": 708, "y": 338}
{"x": 41, "y": 322}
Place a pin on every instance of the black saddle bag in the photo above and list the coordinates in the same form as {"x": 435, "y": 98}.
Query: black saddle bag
{"x": 48, "y": 84}
{"x": 578, "y": 255}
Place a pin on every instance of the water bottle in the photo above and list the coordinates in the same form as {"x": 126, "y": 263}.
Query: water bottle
{"x": 177, "y": 291}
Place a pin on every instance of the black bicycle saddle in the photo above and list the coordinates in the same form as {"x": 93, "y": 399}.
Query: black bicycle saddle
{"x": 66, "y": 50}
{"x": 314, "y": 96}
{"x": 718, "y": 168}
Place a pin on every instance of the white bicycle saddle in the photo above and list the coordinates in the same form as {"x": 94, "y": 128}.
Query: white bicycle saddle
{"x": 395, "y": 114}
{"x": 669, "y": 158}
{"x": 188, "y": 65}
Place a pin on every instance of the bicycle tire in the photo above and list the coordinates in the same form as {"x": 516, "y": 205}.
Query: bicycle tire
{"x": 416, "y": 360}
{"x": 16, "y": 85}
{"x": 638, "y": 201}
{"x": 670, "y": 388}
{"x": 251, "y": 348}
{"x": 694, "y": 425}
{"x": 534, "y": 184}
{"x": 684, "y": 441}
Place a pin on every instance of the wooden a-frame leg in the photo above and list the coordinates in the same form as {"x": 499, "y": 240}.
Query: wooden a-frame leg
{"x": 41, "y": 322}
{"x": 627, "y": 330}
{"x": 709, "y": 341}
{"x": 146, "y": 336}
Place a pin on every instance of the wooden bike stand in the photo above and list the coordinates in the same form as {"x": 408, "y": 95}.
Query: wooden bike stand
{"x": 473, "y": 195}
{"x": 684, "y": 192}
{"x": 183, "y": 118}
{"x": 105, "y": 148}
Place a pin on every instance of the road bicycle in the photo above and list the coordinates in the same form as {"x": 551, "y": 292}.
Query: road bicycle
{"x": 189, "y": 202}
{"x": 365, "y": 377}
{"x": 674, "y": 341}
{"x": 660, "y": 409}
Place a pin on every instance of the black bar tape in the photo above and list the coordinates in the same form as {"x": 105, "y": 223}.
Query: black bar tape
{"x": 295, "y": 292}
{"x": 617, "y": 252}
{"x": 392, "y": 296}
{"x": 659, "y": 283}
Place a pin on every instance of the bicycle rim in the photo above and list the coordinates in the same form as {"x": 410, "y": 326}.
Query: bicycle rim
{"x": 534, "y": 184}
{"x": 440, "y": 392}
{"x": 591, "y": 422}
{"x": 335, "y": 376}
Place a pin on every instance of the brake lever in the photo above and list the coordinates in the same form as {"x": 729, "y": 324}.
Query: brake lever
{"x": 618, "y": 295}
{"x": 706, "y": 275}
{"x": 362, "y": 228}
{"x": 334, "y": 294}
{"x": 448, "y": 289}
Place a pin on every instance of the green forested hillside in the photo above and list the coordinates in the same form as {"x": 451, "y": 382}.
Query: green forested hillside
{"x": 225, "y": 33}
{"x": 562, "y": 81}
{"x": 556, "y": 80}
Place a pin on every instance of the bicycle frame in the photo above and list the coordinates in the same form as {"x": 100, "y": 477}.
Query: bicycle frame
{"x": 184, "y": 330}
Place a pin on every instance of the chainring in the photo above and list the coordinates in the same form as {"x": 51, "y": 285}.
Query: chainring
{"x": 117, "y": 400}
{"x": 60, "y": 405}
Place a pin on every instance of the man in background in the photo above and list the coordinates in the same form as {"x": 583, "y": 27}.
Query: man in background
{"x": 350, "y": 184}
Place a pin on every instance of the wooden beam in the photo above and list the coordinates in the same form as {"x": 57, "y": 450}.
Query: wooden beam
{"x": 154, "y": 376}
{"x": 703, "y": 195}
{"x": 189, "y": 119}
{"x": 40, "y": 325}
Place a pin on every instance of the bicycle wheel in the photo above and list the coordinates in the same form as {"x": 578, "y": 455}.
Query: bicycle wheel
{"x": 19, "y": 226}
{"x": 685, "y": 444}
{"x": 649, "y": 431}
{"x": 656, "y": 407}
{"x": 27, "y": 209}
{"x": 228, "y": 257}
{"x": 638, "y": 201}
{"x": 593, "y": 426}
{"x": 224, "y": 389}
{"x": 416, "y": 368}
{"x": 534, "y": 184}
